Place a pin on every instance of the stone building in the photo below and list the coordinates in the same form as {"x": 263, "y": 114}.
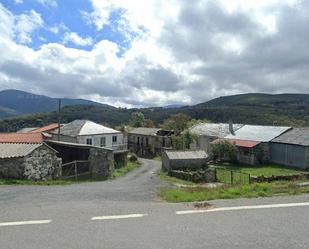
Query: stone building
{"x": 26, "y": 156}
{"x": 149, "y": 142}
{"x": 184, "y": 159}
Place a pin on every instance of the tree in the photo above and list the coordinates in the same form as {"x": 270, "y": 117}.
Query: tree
{"x": 177, "y": 122}
{"x": 184, "y": 140}
{"x": 224, "y": 150}
{"x": 149, "y": 123}
{"x": 137, "y": 119}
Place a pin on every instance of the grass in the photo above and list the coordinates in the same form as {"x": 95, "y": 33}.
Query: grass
{"x": 157, "y": 158}
{"x": 124, "y": 170}
{"x": 164, "y": 176}
{"x": 266, "y": 170}
{"x": 229, "y": 192}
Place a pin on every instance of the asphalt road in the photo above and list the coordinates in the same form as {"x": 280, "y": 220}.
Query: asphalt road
{"x": 125, "y": 213}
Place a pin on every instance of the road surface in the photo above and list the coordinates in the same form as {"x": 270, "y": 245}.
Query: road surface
{"x": 125, "y": 213}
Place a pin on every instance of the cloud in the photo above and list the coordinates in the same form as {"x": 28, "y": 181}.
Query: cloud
{"x": 48, "y": 3}
{"x": 72, "y": 37}
{"x": 182, "y": 52}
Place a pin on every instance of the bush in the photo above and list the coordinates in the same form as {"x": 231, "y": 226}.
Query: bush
{"x": 224, "y": 150}
{"x": 133, "y": 158}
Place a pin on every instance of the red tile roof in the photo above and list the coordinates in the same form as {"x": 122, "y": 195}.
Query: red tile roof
{"x": 239, "y": 143}
{"x": 46, "y": 128}
{"x": 30, "y": 138}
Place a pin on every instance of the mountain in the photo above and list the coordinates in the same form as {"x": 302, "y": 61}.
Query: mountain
{"x": 253, "y": 108}
{"x": 15, "y": 102}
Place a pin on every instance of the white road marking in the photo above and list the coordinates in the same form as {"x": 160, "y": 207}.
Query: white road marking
{"x": 21, "y": 223}
{"x": 114, "y": 217}
{"x": 301, "y": 204}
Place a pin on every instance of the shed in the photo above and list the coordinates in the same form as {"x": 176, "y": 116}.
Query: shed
{"x": 291, "y": 148}
{"x": 35, "y": 161}
{"x": 184, "y": 159}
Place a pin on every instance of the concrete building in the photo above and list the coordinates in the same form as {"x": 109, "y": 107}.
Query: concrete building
{"x": 26, "y": 156}
{"x": 184, "y": 159}
{"x": 253, "y": 142}
{"x": 149, "y": 142}
{"x": 208, "y": 132}
{"x": 291, "y": 148}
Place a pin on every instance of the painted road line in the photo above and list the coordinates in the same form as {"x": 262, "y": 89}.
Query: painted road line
{"x": 115, "y": 217}
{"x": 22, "y": 223}
{"x": 285, "y": 205}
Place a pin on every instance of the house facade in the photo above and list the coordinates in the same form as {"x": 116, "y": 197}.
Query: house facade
{"x": 149, "y": 142}
{"x": 208, "y": 132}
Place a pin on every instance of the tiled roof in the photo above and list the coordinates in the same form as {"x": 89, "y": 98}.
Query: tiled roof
{"x": 83, "y": 128}
{"x": 27, "y": 129}
{"x": 297, "y": 136}
{"x": 145, "y": 131}
{"x": 21, "y": 138}
{"x": 213, "y": 130}
{"x": 46, "y": 128}
{"x": 10, "y": 150}
{"x": 239, "y": 143}
{"x": 258, "y": 133}
{"x": 186, "y": 154}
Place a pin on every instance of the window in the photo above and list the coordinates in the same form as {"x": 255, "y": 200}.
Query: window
{"x": 137, "y": 140}
{"x": 103, "y": 141}
{"x": 114, "y": 139}
{"x": 89, "y": 141}
{"x": 147, "y": 141}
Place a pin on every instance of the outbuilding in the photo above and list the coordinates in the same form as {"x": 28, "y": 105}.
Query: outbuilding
{"x": 26, "y": 156}
{"x": 291, "y": 148}
{"x": 184, "y": 159}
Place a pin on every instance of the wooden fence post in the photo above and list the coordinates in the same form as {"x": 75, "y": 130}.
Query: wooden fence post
{"x": 232, "y": 177}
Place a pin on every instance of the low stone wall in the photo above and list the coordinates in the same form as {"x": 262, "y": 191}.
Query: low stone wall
{"x": 200, "y": 176}
{"x": 295, "y": 177}
{"x": 101, "y": 162}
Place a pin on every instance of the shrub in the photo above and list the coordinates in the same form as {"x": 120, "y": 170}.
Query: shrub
{"x": 224, "y": 150}
{"x": 133, "y": 158}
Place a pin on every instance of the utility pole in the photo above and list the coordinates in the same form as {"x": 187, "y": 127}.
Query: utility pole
{"x": 59, "y": 118}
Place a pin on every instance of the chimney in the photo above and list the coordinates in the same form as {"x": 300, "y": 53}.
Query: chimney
{"x": 231, "y": 129}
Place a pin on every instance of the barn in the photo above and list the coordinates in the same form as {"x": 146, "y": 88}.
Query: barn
{"x": 291, "y": 148}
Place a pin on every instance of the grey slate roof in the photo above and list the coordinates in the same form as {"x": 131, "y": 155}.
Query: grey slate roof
{"x": 258, "y": 133}
{"x": 145, "y": 131}
{"x": 213, "y": 130}
{"x": 297, "y": 136}
{"x": 11, "y": 150}
{"x": 186, "y": 154}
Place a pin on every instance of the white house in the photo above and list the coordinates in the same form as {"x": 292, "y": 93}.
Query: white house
{"x": 91, "y": 133}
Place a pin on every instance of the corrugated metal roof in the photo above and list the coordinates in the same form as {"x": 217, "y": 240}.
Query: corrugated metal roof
{"x": 21, "y": 138}
{"x": 186, "y": 154}
{"x": 11, "y": 150}
{"x": 297, "y": 136}
{"x": 239, "y": 143}
{"x": 145, "y": 131}
{"x": 213, "y": 130}
{"x": 83, "y": 128}
{"x": 76, "y": 145}
{"x": 258, "y": 133}
{"x": 27, "y": 129}
{"x": 46, "y": 128}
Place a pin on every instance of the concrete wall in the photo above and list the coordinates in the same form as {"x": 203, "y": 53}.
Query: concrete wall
{"x": 41, "y": 164}
{"x": 101, "y": 162}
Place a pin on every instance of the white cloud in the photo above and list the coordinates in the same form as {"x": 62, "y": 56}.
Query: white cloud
{"x": 57, "y": 28}
{"x": 48, "y": 3}
{"x": 76, "y": 39}
{"x": 18, "y": 1}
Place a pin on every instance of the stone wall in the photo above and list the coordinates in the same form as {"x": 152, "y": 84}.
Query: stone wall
{"x": 294, "y": 177}
{"x": 101, "y": 162}
{"x": 12, "y": 168}
{"x": 42, "y": 164}
{"x": 201, "y": 176}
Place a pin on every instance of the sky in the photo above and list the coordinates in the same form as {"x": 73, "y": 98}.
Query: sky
{"x": 132, "y": 53}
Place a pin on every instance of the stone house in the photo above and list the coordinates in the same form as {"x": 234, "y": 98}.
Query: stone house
{"x": 184, "y": 159}
{"x": 26, "y": 156}
{"x": 253, "y": 142}
{"x": 149, "y": 142}
{"x": 208, "y": 132}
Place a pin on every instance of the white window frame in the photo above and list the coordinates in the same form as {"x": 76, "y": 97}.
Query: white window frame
{"x": 101, "y": 141}
{"x": 89, "y": 139}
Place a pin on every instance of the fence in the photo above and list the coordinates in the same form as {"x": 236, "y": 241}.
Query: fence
{"x": 231, "y": 176}
{"x": 75, "y": 169}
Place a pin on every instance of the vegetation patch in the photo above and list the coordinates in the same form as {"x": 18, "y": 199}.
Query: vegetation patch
{"x": 266, "y": 170}
{"x": 195, "y": 194}
{"x": 124, "y": 170}
{"x": 173, "y": 180}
